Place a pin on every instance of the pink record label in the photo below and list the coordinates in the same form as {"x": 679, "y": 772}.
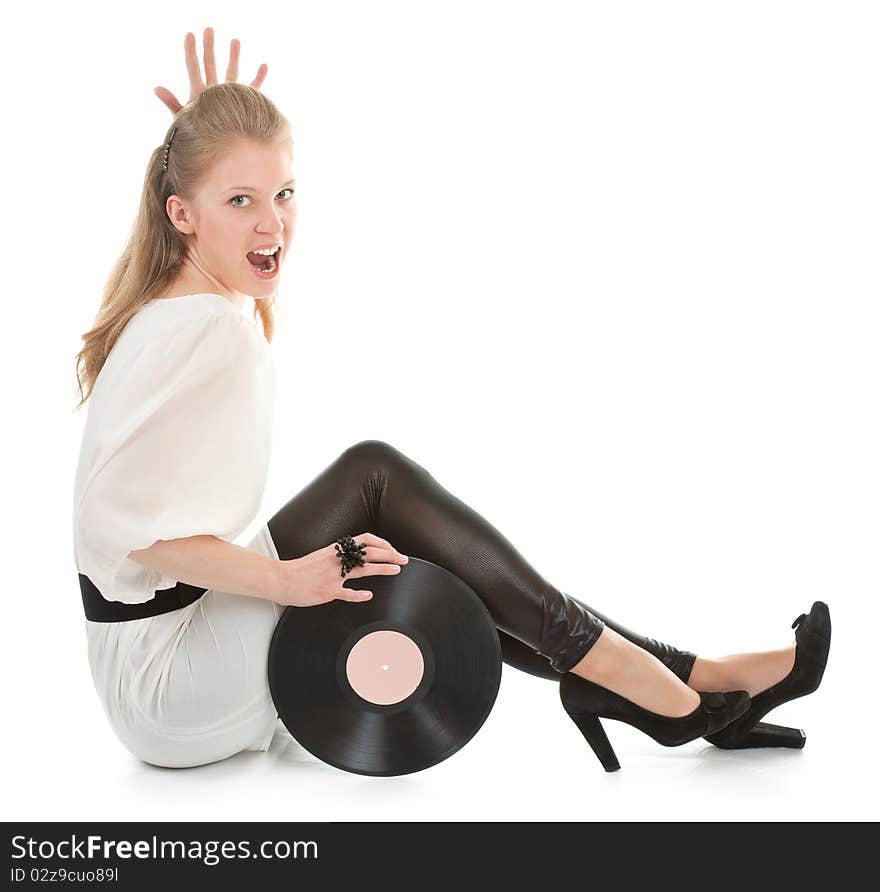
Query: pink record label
{"x": 385, "y": 667}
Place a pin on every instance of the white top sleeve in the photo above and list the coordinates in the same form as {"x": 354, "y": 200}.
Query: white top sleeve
{"x": 177, "y": 444}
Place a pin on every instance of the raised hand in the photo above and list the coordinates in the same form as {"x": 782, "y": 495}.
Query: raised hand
{"x": 196, "y": 85}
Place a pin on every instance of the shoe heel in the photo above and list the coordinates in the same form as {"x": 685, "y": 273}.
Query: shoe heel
{"x": 767, "y": 734}
{"x": 589, "y": 725}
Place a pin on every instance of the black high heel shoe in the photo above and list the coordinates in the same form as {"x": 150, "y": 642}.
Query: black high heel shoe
{"x": 586, "y": 701}
{"x": 813, "y": 637}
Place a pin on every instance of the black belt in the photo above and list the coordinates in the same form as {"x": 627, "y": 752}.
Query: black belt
{"x": 100, "y": 610}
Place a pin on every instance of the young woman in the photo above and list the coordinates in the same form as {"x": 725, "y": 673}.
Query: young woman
{"x": 173, "y": 465}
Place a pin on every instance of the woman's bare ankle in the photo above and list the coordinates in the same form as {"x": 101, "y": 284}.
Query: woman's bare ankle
{"x": 616, "y": 663}
{"x": 753, "y": 672}
{"x": 711, "y": 674}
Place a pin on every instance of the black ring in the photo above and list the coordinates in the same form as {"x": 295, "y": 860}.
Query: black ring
{"x": 349, "y": 553}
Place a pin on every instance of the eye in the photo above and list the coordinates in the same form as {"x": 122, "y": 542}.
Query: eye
{"x": 234, "y": 197}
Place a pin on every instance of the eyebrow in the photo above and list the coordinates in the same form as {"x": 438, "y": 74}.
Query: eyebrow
{"x": 255, "y": 189}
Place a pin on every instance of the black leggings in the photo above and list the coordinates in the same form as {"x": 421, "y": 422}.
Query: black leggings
{"x": 374, "y": 488}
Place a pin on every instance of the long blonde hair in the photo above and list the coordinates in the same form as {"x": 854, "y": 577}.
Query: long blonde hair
{"x": 219, "y": 115}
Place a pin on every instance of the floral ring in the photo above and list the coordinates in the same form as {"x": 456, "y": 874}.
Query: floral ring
{"x": 350, "y": 553}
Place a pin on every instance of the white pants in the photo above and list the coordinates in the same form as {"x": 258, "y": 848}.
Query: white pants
{"x": 190, "y": 687}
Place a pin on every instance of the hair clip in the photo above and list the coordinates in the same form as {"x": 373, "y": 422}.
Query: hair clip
{"x": 168, "y": 146}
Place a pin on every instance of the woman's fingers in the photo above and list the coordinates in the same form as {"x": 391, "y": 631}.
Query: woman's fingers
{"x": 349, "y": 594}
{"x": 196, "y": 84}
{"x": 232, "y": 68}
{"x": 378, "y": 548}
{"x": 373, "y": 539}
{"x": 367, "y": 570}
{"x": 376, "y": 554}
{"x": 261, "y": 76}
{"x": 374, "y": 570}
{"x": 169, "y": 99}
{"x": 208, "y": 57}
{"x": 192, "y": 65}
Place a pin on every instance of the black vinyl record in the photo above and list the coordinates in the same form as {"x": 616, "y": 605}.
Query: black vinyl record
{"x": 441, "y": 665}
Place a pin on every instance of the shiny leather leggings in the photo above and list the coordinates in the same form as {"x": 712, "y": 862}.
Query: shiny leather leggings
{"x": 374, "y": 488}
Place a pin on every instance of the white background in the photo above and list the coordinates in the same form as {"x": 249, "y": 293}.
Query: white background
{"x": 607, "y": 270}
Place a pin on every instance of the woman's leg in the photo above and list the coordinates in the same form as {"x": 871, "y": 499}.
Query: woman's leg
{"x": 373, "y": 487}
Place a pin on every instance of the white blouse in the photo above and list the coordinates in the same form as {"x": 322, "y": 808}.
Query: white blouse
{"x": 177, "y": 439}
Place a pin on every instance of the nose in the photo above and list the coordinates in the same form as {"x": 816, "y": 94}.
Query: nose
{"x": 276, "y": 223}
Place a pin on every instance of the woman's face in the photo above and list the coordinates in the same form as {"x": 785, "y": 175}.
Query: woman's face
{"x": 246, "y": 203}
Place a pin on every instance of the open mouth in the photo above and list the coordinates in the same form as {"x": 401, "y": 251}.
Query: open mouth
{"x": 265, "y": 264}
